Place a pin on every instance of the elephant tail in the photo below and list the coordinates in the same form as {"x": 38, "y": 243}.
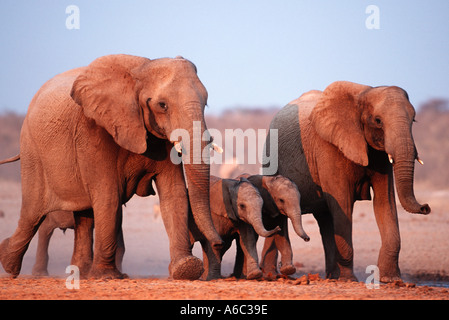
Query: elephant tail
{"x": 12, "y": 159}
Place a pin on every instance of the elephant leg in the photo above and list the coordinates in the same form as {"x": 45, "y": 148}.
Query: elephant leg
{"x": 82, "y": 250}
{"x": 108, "y": 222}
{"x": 239, "y": 260}
{"x": 387, "y": 222}
{"x": 269, "y": 258}
{"x": 326, "y": 226}
{"x": 341, "y": 210}
{"x": 248, "y": 241}
{"x": 174, "y": 211}
{"x": 120, "y": 250}
{"x": 44, "y": 235}
{"x": 13, "y": 249}
{"x": 284, "y": 246}
{"x": 211, "y": 260}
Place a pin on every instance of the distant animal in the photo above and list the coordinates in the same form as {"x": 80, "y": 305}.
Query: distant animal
{"x": 336, "y": 145}
{"x": 281, "y": 201}
{"x": 236, "y": 208}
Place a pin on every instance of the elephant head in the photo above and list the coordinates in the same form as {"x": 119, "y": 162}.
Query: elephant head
{"x": 355, "y": 117}
{"x": 134, "y": 98}
{"x": 287, "y": 199}
{"x": 243, "y": 202}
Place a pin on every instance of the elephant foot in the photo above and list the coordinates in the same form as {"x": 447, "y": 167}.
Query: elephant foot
{"x": 39, "y": 272}
{"x": 255, "y": 274}
{"x": 10, "y": 263}
{"x": 84, "y": 268}
{"x": 106, "y": 272}
{"x": 288, "y": 270}
{"x": 348, "y": 277}
{"x": 187, "y": 268}
{"x": 388, "y": 279}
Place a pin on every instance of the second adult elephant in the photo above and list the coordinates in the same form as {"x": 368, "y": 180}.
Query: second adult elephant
{"x": 336, "y": 145}
{"x": 95, "y": 136}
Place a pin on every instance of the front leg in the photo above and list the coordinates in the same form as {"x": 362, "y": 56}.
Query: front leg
{"x": 283, "y": 244}
{"x": 174, "y": 211}
{"x": 387, "y": 221}
{"x": 83, "y": 245}
{"x": 278, "y": 242}
{"x": 248, "y": 241}
{"x": 108, "y": 222}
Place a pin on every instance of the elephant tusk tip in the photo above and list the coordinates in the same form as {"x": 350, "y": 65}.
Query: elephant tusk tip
{"x": 216, "y": 148}
{"x": 390, "y": 158}
{"x": 420, "y": 161}
{"x": 178, "y": 147}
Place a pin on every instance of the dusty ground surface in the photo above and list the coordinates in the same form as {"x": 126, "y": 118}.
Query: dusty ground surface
{"x": 424, "y": 260}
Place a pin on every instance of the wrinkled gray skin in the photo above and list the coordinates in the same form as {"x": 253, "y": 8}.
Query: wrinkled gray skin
{"x": 281, "y": 201}
{"x": 338, "y": 144}
{"x": 64, "y": 220}
{"x": 93, "y": 137}
{"x": 236, "y": 208}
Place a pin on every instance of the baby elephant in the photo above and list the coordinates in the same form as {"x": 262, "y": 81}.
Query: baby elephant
{"x": 65, "y": 220}
{"x": 236, "y": 208}
{"x": 281, "y": 200}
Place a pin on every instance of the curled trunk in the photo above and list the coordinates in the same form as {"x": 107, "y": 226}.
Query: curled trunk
{"x": 297, "y": 225}
{"x": 403, "y": 172}
{"x": 256, "y": 222}
{"x": 403, "y": 155}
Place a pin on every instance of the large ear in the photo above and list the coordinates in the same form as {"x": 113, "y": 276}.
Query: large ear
{"x": 106, "y": 92}
{"x": 229, "y": 189}
{"x": 337, "y": 119}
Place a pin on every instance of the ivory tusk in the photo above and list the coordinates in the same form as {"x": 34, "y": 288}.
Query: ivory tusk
{"x": 390, "y": 158}
{"x": 216, "y": 148}
{"x": 419, "y": 160}
{"x": 178, "y": 146}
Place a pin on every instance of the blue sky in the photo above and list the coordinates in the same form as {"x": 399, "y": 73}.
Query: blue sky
{"x": 248, "y": 53}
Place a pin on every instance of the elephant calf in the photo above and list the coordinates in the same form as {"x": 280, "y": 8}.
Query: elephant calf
{"x": 281, "y": 200}
{"x": 236, "y": 208}
{"x": 64, "y": 220}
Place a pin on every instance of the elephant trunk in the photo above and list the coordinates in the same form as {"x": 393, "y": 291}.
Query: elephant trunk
{"x": 197, "y": 172}
{"x": 297, "y": 225}
{"x": 403, "y": 171}
{"x": 256, "y": 221}
{"x": 403, "y": 160}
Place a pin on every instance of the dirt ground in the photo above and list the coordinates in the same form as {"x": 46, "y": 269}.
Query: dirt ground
{"x": 424, "y": 260}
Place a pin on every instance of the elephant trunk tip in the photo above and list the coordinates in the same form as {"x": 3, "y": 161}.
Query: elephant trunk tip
{"x": 425, "y": 209}
{"x": 306, "y": 238}
{"x": 269, "y": 233}
{"x": 417, "y": 208}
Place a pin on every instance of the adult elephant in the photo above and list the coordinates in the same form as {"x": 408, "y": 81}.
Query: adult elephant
{"x": 336, "y": 145}
{"x": 96, "y": 135}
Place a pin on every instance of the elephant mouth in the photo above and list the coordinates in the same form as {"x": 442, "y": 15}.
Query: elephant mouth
{"x": 390, "y": 158}
{"x": 178, "y": 145}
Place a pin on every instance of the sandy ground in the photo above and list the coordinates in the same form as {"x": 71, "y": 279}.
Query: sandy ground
{"x": 424, "y": 260}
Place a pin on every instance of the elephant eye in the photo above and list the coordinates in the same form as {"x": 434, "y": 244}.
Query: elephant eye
{"x": 162, "y": 105}
{"x": 281, "y": 201}
{"x": 378, "y": 121}
{"x": 242, "y": 206}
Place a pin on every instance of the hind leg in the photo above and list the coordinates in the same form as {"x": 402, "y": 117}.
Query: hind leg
{"x": 13, "y": 249}
{"x": 45, "y": 232}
